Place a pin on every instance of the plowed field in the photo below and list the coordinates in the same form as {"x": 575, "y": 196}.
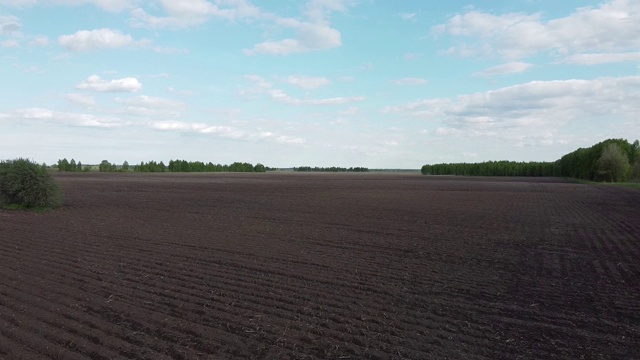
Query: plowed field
{"x": 322, "y": 266}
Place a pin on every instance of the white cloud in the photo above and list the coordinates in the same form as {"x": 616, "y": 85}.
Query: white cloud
{"x": 81, "y": 99}
{"x": 64, "y": 118}
{"x": 602, "y": 58}
{"x": 225, "y": 132}
{"x": 95, "y": 83}
{"x": 410, "y": 81}
{"x": 611, "y": 27}
{"x": 151, "y": 106}
{"x": 18, "y": 3}
{"x": 509, "y": 68}
{"x": 530, "y": 109}
{"x": 186, "y": 13}
{"x": 312, "y": 34}
{"x": 85, "y": 40}
{"x": 319, "y": 10}
{"x": 409, "y": 16}
{"x": 282, "y": 97}
{"x": 40, "y": 41}
{"x": 309, "y": 37}
{"x": 9, "y": 25}
{"x": 308, "y": 83}
{"x": 10, "y": 44}
{"x": 173, "y": 90}
{"x": 109, "y": 5}
{"x": 169, "y": 50}
{"x": 264, "y": 87}
{"x": 151, "y": 101}
{"x": 281, "y": 139}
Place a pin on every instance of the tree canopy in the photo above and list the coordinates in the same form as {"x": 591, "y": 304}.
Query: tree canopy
{"x": 610, "y": 160}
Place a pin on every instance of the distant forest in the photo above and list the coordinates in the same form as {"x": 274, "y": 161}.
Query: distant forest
{"x": 330, "y": 169}
{"x": 612, "y": 160}
{"x": 153, "y": 166}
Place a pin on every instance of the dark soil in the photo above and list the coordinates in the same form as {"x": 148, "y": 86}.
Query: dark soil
{"x": 322, "y": 266}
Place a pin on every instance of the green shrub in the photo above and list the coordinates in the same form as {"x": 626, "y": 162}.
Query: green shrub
{"x": 25, "y": 184}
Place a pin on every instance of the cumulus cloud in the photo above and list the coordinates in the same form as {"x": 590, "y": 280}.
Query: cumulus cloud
{"x": 95, "y": 83}
{"x": 611, "y": 27}
{"x": 314, "y": 33}
{"x": 410, "y": 81}
{"x": 509, "y": 68}
{"x": 85, "y": 40}
{"x": 308, "y": 37}
{"x": 532, "y": 108}
{"x": 319, "y": 10}
{"x": 10, "y": 25}
{"x": 308, "y": 83}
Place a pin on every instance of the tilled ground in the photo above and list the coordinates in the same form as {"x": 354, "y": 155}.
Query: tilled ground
{"x": 322, "y": 266}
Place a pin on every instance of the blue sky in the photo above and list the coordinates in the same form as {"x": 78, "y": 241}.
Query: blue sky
{"x": 381, "y": 84}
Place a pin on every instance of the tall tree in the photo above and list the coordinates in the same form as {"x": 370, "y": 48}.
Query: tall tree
{"x": 104, "y": 166}
{"x": 613, "y": 163}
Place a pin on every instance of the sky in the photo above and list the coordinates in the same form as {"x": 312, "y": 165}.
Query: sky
{"x": 373, "y": 83}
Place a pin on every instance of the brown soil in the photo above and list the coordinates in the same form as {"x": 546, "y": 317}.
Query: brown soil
{"x": 322, "y": 266}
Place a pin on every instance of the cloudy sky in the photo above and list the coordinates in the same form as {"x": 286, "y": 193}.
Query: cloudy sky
{"x": 376, "y": 83}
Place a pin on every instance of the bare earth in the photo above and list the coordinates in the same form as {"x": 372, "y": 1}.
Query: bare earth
{"x": 322, "y": 266}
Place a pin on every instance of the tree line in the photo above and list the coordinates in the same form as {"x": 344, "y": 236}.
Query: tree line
{"x": 494, "y": 168}
{"x": 65, "y": 165}
{"x": 330, "y": 169}
{"x": 610, "y": 160}
{"x": 172, "y": 166}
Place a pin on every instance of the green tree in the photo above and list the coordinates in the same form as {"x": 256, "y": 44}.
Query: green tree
{"x": 26, "y": 184}
{"x": 72, "y": 165}
{"x": 63, "y": 165}
{"x": 125, "y": 166}
{"x": 104, "y": 166}
{"x": 634, "y": 170}
{"x": 613, "y": 163}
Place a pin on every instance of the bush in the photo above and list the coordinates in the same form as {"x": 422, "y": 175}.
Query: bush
{"x": 26, "y": 184}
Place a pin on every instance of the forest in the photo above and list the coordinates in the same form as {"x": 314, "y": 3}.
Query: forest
{"x": 612, "y": 160}
{"x": 330, "y": 169}
{"x": 153, "y": 166}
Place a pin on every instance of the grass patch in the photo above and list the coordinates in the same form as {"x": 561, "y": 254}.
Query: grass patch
{"x": 632, "y": 185}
